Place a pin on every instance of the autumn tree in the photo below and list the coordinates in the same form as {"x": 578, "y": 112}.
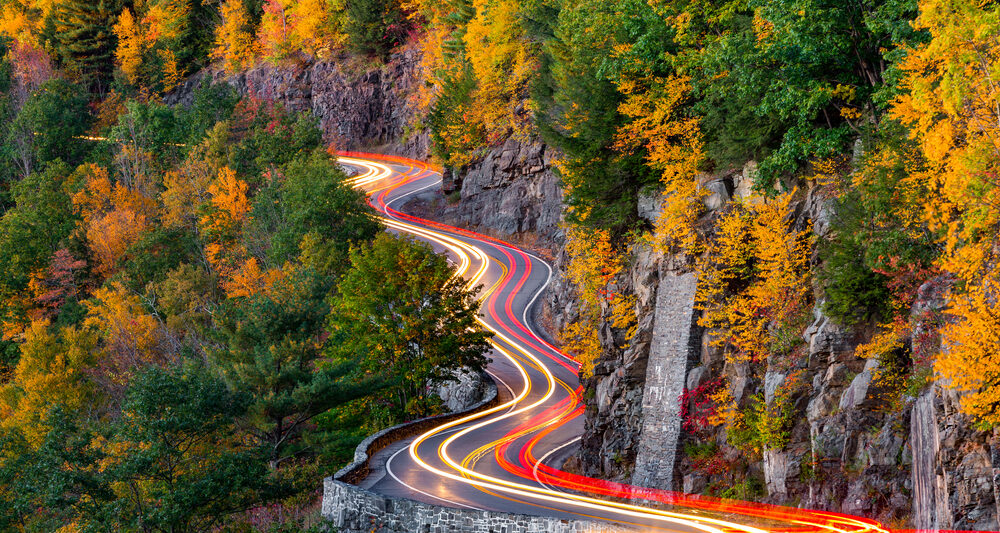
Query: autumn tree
{"x": 272, "y": 349}
{"x": 53, "y": 371}
{"x": 404, "y": 315}
{"x": 503, "y": 60}
{"x": 234, "y": 41}
{"x": 114, "y": 217}
{"x": 593, "y": 267}
{"x": 275, "y": 28}
{"x": 754, "y": 283}
{"x": 58, "y": 286}
{"x": 375, "y": 27}
{"x": 132, "y": 338}
{"x": 949, "y": 102}
{"x": 130, "y": 45}
{"x": 673, "y": 144}
{"x": 288, "y": 27}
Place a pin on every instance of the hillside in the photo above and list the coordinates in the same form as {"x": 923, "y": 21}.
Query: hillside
{"x": 774, "y": 226}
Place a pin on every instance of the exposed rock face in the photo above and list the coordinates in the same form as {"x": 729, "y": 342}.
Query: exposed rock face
{"x": 954, "y": 466}
{"x": 614, "y": 417}
{"x": 358, "y": 109}
{"x": 467, "y": 390}
{"x": 918, "y": 462}
{"x": 511, "y": 190}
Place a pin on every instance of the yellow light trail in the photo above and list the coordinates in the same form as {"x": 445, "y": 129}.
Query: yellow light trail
{"x": 376, "y": 172}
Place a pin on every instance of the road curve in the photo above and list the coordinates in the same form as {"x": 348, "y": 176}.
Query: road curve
{"x": 501, "y": 459}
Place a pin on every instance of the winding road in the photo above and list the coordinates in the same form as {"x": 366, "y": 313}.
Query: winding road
{"x": 501, "y": 459}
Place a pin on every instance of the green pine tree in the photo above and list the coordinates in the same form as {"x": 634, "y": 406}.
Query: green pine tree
{"x": 79, "y": 35}
{"x": 375, "y": 27}
{"x": 273, "y": 351}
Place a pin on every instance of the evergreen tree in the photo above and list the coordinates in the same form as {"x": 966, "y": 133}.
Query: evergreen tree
{"x": 80, "y": 35}
{"x": 274, "y": 353}
{"x": 375, "y": 27}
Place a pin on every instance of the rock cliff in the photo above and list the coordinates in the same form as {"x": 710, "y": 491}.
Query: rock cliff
{"x": 358, "y": 107}
{"x": 919, "y": 464}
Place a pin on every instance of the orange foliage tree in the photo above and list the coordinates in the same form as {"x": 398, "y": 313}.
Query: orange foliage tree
{"x": 754, "y": 283}
{"x": 951, "y": 103}
{"x": 228, "y": 210}
{"x": 114, "y": 217}
{"x": 234, "y": 42}
{"x": 130, "y": 45}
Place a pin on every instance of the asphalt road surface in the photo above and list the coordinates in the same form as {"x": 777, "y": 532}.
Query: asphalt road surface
{"x": 507, "y": 458}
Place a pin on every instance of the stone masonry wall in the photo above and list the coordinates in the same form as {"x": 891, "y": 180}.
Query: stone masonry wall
{"x": 355, "y": 510}
{"x": 665, "y": 380}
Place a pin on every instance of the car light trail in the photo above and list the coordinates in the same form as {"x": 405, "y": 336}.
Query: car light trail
{"x": 515, "y": 340}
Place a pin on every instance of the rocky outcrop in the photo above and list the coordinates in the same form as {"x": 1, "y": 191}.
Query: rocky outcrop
{"x": 955, "y": 468}
{"x": 358, "y": 107}
{"x": 511, "y": 190}
{"x": 463, "y": 392}
{"x": 916, "y": 461}
{"x": 614, "y": 417}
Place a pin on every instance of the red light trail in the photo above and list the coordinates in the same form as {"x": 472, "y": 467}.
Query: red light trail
{"x": 530, "y": 481}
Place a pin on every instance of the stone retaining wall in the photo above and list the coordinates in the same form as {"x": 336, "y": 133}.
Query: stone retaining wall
{"x": 358, "y": 470}
{"x": 665, "y": 380}
{"x": 355, "y": 510}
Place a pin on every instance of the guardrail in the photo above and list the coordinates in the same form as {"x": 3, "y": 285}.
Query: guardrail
{"x": 358, "y": 470}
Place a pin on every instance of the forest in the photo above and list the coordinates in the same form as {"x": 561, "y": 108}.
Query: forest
{"x": 181, "y": 288}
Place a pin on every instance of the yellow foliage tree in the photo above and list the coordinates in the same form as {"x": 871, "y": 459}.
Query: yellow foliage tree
{"x": 25, "y": 21}
{"x": 131, "y": 337}
{"x": 166, "y": 20}
{"x": 130, "y": 45}
{"x": 674, "y": 146}
{"x": 234, "y": 43}
{"x": 592, "y": 269}
{"x": 951, "y": 103}
{"x": 503, "y": 61}
{"x": 754, "y": 283}
{"x": 970, "y": 359}
{"x": 317, "y": 25}
{"x": 52, "y": 371}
